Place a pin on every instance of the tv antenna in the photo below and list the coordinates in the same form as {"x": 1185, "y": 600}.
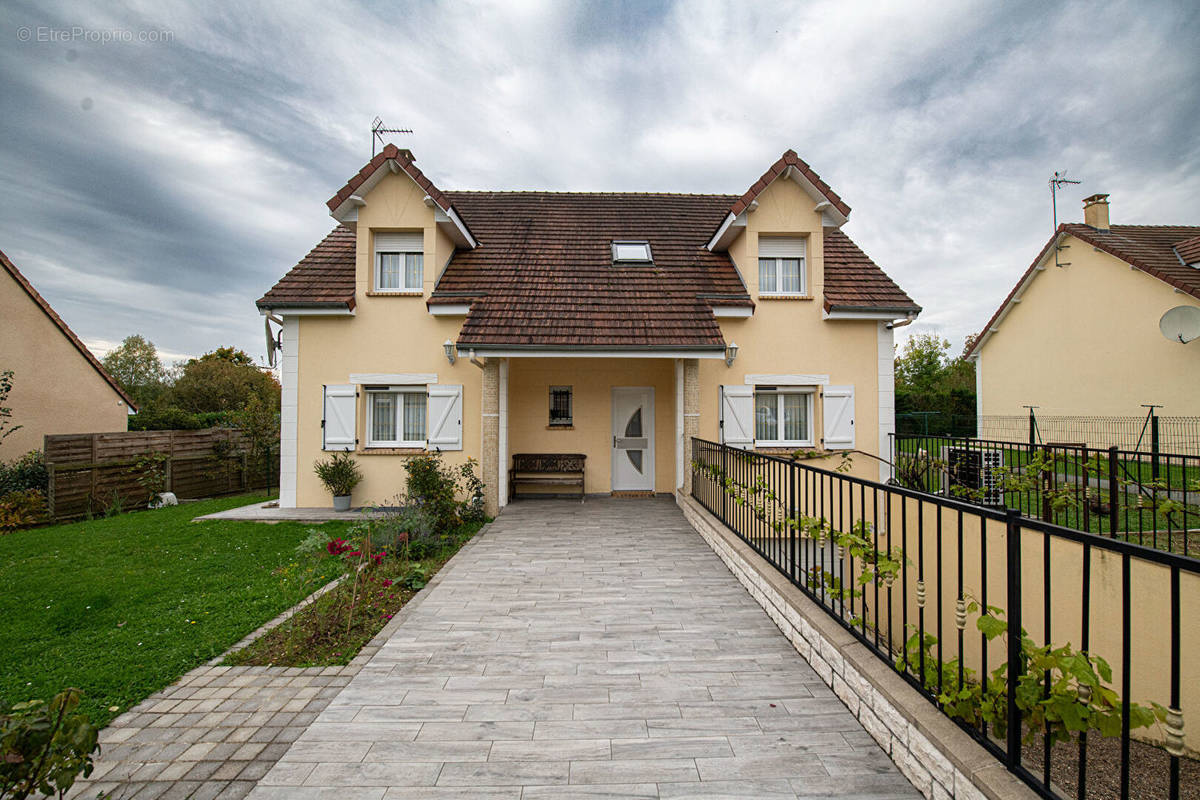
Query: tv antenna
{"x": 378, "y": 132}
{"x": 1057, "y": 180}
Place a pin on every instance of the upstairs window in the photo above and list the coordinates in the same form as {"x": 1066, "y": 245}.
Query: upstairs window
{"x": 399, "y": 262}
{"x": 631, "y": 251}
{"x": 781, "y": 267}
{"x": 560, "y": 406}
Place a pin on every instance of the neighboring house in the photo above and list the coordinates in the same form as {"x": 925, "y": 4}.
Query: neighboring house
{"x": 485, "y": 324}
{"x": 1081, "y": 337}
{"x": 58, "y": 385}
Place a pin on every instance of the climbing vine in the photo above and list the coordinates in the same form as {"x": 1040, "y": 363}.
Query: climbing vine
{"x": 1059, "y": 692}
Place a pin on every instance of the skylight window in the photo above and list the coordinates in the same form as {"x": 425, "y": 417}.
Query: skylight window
{"x": 631, "y": 251}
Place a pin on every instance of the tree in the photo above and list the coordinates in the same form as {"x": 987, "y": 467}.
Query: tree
{"x": 6, "y": 384}
{"x": 920, "y": 367}
{"x": 135, "y": 365}
{"x": 223, "y": 380}
{"x": 940, "y": 388}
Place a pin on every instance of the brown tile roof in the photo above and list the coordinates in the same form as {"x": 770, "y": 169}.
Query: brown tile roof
{"x": 789, "y": 159}
{"x": 405, "y": 159}
{"x": 853, "y": 280}
{"x": 62, "y": 326}
{"x": 323, "y": 278}
{"x": 543, "y": 274}
{"x": 1150, "y": 248}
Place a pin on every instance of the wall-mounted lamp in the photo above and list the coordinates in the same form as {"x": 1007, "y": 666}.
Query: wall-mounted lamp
{"x": 730, "y": 353}
{"x": 448, "y": 346}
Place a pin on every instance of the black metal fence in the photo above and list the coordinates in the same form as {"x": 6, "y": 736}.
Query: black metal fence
{"x": 1149, "y": 497}
{"x": 1061, "y": 652}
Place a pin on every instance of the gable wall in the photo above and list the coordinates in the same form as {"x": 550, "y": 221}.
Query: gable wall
{"x": 790, "y": 336}
{"x": 394, "y": 334}
{"x": 1084, "y": 340}
{"x": 55, "y": 389}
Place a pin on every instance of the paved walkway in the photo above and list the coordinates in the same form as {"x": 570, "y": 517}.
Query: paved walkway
{"x": 595, "y": 650}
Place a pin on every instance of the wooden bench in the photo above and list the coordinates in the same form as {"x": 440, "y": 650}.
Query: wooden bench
{"x": 546, "y": 469}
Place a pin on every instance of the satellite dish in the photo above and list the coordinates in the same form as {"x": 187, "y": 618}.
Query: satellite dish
{"x": 1181, "y": 324}
{"x": 273, "y": 343}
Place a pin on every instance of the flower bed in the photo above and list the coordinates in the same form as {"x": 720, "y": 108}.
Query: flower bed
{"x": 335, "y": 626}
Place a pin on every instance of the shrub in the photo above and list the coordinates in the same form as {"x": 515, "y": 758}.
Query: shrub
{"x": 26, "y": 472}
{"x": 21, "y": 509}
{"x": 409, "y": 531}
{"x": 340, "y": 474}
{"x": 471, "y": 509}
{"x": 433, "y": 486}
{"x": 44, "y": 746}
{"x": 173, "y": 418}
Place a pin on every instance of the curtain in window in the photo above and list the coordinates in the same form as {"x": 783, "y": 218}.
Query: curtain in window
{"x": 790, "y": 275}
{"x": 414, "y": 270}
{"x": 414, "y": 417}
{"x": 766, "y": 275}
{"x": 795, "y": 417}
{"x": 389, "y": 270}
{"x": 383, "y": 417}
{"x": 766, "y": 423}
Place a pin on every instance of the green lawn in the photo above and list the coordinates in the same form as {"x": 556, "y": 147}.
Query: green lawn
{"x": 121, "y": 607}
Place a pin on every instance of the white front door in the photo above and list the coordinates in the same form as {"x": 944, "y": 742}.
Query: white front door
{"x": 633, "y": 438}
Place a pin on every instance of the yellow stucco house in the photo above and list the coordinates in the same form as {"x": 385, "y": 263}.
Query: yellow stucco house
{"x": 58, "y": 385}
{"x": 613, "y": 325}
{"x": 1079, "y": 334}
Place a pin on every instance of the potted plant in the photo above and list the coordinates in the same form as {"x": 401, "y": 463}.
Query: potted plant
{"x": 340, "y": 474}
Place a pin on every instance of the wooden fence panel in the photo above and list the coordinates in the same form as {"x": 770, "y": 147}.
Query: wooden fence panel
{"x": 89, "y": 473}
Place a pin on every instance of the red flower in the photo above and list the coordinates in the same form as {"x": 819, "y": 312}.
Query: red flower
{"x": 387, "y": 583}
{"x": 337, "y": 547}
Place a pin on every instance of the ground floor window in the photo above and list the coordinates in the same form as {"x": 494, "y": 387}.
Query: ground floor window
{"x": 396, "y": 418}
{"x": 782, "y": 417}
{"x": 560, "y": 405}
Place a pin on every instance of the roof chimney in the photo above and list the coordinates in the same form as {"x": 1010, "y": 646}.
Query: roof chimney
{"x": 1095, "y": 211}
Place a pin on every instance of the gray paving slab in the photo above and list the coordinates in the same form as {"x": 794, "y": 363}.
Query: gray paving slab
{"x": 594, "y": 651}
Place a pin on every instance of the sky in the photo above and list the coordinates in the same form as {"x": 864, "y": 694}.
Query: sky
{"x": 163, "y": 164}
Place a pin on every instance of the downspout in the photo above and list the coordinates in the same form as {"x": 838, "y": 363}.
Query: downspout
{"x": 476, "y": 361}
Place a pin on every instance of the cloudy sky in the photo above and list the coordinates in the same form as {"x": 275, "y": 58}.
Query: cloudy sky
{"x": 164, "y": 163}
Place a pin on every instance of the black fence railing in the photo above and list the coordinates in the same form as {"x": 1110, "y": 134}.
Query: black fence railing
{"x": 1147, "y": 497}
{"x": 1063, "y": 653}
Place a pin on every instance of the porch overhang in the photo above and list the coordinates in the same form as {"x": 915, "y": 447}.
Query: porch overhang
{"x": 589, "y": 351}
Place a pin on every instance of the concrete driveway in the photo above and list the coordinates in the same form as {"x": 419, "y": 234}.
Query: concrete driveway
{"x": 594, "y": 650}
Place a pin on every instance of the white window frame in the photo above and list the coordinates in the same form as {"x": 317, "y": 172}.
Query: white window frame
{"x": 619, "y": 243}
{"x": 399, "y": 391}
{"x": 800, "y": 254}
{"x": 383, "y": 249}
{"x": 808, "y": 393}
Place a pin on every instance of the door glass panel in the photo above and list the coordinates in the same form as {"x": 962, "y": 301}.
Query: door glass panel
{"x": 635, "y": 458}
{"x": 633, "y": 428}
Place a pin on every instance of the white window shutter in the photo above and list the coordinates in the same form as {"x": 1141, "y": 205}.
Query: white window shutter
{"x": 737, "y": 416}
{"x": 337, "y": 425}
{"x": 445, "y": 417}
{"x": 838, "y": 408}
